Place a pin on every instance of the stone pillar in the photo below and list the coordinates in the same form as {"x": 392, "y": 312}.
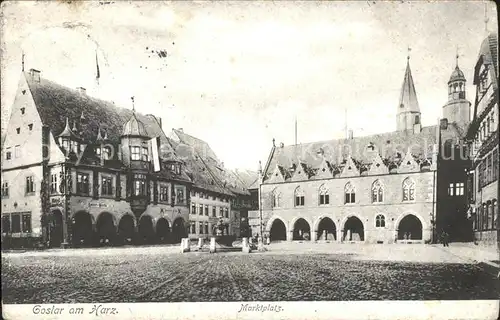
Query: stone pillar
{"x": 185, "y": 245}
{"x": 212, "y": 245}
{"x": 200, "y": 243}
{"x": 314, "y": 235}
{"x": 340, "y": 234}
{"x": 290, "y": 236}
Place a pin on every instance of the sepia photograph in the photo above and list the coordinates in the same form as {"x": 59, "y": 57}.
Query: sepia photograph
{"x": 250, "y": 160}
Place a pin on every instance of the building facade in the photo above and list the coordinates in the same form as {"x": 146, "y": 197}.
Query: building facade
{"x": 376, "y": 189}
{"x": 79, "y": 171}
{"x": 483, "y": 138}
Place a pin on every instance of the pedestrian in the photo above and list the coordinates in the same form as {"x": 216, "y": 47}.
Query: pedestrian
{"x": 446, "y": 239}
{"x": 443, "y": 241}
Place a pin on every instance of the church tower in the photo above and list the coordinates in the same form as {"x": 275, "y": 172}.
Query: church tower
{"x": 457, "y": 109}
{"x": 408, "y": 115}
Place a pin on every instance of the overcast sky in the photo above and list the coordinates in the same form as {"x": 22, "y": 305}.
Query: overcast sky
{"x": 238, "y": 74}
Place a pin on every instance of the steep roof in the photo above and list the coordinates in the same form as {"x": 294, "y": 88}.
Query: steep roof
{"x": 408, "y": 97}
{"x": 488, "y": 53}
{"x": 456, "y": 75}
{"x": 55, "y": 103}
{"x": 391, "y": 146}
{"x": 201, "y": 147}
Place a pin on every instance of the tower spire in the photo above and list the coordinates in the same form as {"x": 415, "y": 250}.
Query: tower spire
{"x": 457, "y": 56}
{"x": 408, "y": 57}
{"x": 133, "y": 105}
{"x": 408, "y": 109}
{"x": 22, "y": 61}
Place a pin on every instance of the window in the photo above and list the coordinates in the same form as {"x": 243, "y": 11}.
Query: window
{"x": 299, "y": 197}
{"x": 350, "y": 193}
{"x": 200, "y": 227}
{"x": 408, "y": 190}
{"x": 377, "y": 192}
{"x": 30, "y": 184}
{"x": 214, "y": 211}
{"x": 15, "y": 223}
{"x": 206, "y": 227}
{"x": 26, "y": 223}
{"x": 201, "y": 210}
{"x": 53, "y": 183}
{"x": 135, "y": 153}
{"x": 459, "y": 189}
{"x": 206, "y": 210}
{"x": 417, "y": 119}
{"x": 5, "y": 189}
{"x": 495, "y": 165}
{"x": 65, "y": 143}
{"x": 30, "y": 126}
{"x": 380, "y": 221}
{"x": 17, "y": 151}
{"x": 451, "y": 190}
{"x": 179, "y": 195}
{"x": 106, "y": 153}
{"x": 221, "y": 212}
{"x": 18, "y": 130}
{"x": 485, "y": 217}
{"x": 107, "y": 186}
{"x": 145, "y": 154}
{"x": 276, "y": 198}
{"x": 494, "y": 208}
{"x": 139, "y": 188}
{"x": 82, "y": 183}
{"x": 193, "y": 208}
{"x": 226, "y": 212}
{"x": 164, "y": 194}
{"x": 193, "y": 228}
{"x": 23, "y": 110}
{"x": 324, "y": 197}
{"x": 8, "y": 154}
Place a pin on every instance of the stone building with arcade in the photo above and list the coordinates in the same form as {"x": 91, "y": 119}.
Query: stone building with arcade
{"x": 382, "y": 188}
{"x": 80, "y": 171}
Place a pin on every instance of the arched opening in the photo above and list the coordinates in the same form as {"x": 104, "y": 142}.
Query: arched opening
{"x": 146, "y": 230}
{"x": 178, "y": 230}
{"x": 163, "y": 231}
{"x": 56, "y": 229}
{"x": 353, "y": 230}
{"x": 126, "y": 229}
{"x": 278, "y": 231}
{"x": 327, "y": 229}
{"x": 82, "y": 229}
{"x": 301, "y": 230}
{"x": 410, "y": 228}
{"x": 105, "y": 229}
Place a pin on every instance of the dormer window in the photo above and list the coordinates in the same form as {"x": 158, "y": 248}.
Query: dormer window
{"x": 106, "y": 153}
{"x": 23, "y": 110}
{"x": 64, "y": 143}
{"x": 145, "y": 155}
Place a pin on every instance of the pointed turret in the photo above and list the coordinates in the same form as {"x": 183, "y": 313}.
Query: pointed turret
{"x": 408, "y": 110}
{"x": 457, "y": 109}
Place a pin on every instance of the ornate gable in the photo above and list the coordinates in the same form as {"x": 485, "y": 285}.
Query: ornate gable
{"x": 377, "y": 166}
{"x": 300, "y": 173}
{"x": 324, "y": 171}
{"x": 350, "y": 169}
{"x": 408, "y": 164}
{"x": 276, "y": 176}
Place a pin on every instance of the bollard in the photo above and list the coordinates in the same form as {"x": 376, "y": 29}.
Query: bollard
{"x": 185, "y": 245}
{"x": 245, "y": 246}
{"x": 200, "y": 243}
{"x": 212, "y": 245}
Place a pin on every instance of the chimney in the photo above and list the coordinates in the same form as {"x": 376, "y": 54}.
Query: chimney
{"x": 443, "y": 124}
{"x": 35, "y": 75}
{"x": 82, "y": 90}
{"x": 180, "y": 130}
{"x": 417, "y": 128}
{"x": 350, "y": 134}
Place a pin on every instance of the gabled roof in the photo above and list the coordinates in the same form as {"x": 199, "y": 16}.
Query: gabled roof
{"x": 392, "y": 147}
{"x": 488, "y": 54}
{"x": 201, "y": 147}
{"x": 55, "y": 103}
{"x": 408, "y": 97}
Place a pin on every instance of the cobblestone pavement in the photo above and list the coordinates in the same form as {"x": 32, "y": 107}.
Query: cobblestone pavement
{"x": 199, "y": 276}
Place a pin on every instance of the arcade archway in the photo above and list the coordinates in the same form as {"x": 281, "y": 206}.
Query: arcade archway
{"x": 410, "y": 228}
{"x": 56, "y": 237}
{"x": 178, "y": 230}
{"x": 163, "y": 231}
{"x": 278, "y": 231}
{"x": 126, "y": 229}
{"x": 353, "y": 230}
{"x": 83, "y": 231}
{"x": 301, "y": 230}
{"x": 105, "y": 229}
{"x": 327, "y": 229}
{"x": 146, "y": 230}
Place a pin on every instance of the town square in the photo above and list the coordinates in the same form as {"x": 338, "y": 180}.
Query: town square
{"x": 249, "y": 152}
